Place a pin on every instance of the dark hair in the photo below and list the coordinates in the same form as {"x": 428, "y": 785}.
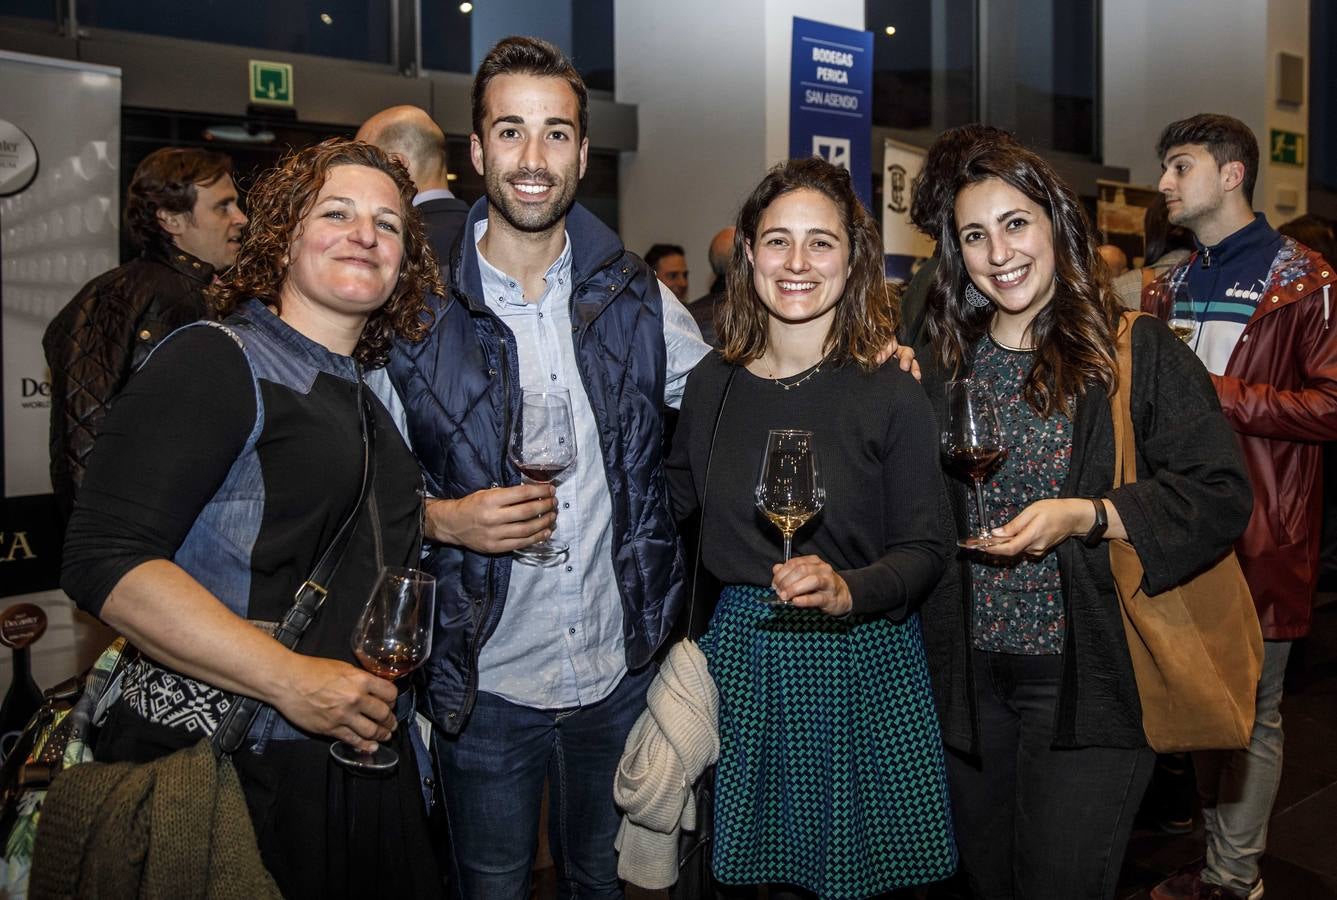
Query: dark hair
{"x": 1074, "y": 333}
{"x": 1159, "y": 236}
{"x": 864, "y": 322}
{"x": 166, "y": 180}
{"x": 941, "y": 163}
{"x": 1315, "y": 232}
{"x": 659, "y": 251}
{"x": 1226, "y": 138}
{"x": 528, "y": 56}
{"x": 279, "y": 203}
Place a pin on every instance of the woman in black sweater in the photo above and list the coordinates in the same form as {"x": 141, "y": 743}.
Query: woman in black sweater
{"x": 1040, "y": 709}
{"x": 830, "y": 774}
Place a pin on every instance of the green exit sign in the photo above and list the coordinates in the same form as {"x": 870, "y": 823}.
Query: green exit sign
{"x": 1288, "y": 148}
{"x": 271, "y": 82}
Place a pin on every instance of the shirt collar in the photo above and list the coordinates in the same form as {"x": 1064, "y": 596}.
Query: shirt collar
{"x": 260, "y": 315}
{"x": 432, "y": 194}
{"x": 558, "y": 273}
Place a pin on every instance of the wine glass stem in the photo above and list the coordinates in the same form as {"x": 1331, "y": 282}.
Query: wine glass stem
{"x": 789, "y": 539}
{"x": 979, "y": 506}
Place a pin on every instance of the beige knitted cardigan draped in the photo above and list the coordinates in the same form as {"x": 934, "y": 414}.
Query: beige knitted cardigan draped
{"x": 669, "y": 747}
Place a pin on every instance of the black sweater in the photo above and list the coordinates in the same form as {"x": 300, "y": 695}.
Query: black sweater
{"x": 1190, "y": 503}
{"x": 884, "y": 527}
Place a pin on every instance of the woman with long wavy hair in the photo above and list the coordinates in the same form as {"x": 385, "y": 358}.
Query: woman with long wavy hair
{"x": 223, "y": 472}
{"x": 1046, "y": 755}
{"x": 831, "y": 775}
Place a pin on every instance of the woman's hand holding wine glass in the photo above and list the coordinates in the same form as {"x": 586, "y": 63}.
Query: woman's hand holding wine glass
{"x": 392, "y": 638}
{"x": 973, "y": 445}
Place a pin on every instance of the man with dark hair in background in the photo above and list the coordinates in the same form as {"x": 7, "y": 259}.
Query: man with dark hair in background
{"x": 408, "y": 134}
{"x": 703, "y": 308}
{"x": 539, "y": 671}
{"x": 1264, "y": 313}
{"x": 181, "y": 212}
{"x": 670, "y": 264}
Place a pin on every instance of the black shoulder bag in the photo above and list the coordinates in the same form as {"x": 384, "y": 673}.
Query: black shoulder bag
{"x": 696, "y": 881}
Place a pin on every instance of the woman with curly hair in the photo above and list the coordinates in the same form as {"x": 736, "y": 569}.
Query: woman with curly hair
{"x": 1046, "y": 754}
{"x": 223, "y": 472}
{"x": 830, "y": 775}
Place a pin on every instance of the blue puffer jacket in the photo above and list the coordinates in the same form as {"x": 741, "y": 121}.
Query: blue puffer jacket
{"x": 460, "y": 388}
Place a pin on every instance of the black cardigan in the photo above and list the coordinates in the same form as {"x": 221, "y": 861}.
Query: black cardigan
{"x": 1190, "y": 503}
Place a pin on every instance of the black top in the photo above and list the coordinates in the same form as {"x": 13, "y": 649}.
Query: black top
{"x": 181, "y": 472}
{"x": 883, "y": 527}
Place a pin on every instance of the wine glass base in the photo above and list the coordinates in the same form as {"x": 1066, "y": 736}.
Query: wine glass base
{"x": 979, "y": 542}
{"x": 775, "y": 601}
{"x": 545, "y": 553}
{"x": 381, "y": 761}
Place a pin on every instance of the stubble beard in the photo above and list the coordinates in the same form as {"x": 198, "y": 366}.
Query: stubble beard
{"x": 528, "y": 217}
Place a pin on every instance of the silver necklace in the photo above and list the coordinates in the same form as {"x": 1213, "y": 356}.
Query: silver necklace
{"x": 790, "y": 385}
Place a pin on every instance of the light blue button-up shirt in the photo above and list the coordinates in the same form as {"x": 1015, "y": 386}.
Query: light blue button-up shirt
{"x": 559, "y": 643}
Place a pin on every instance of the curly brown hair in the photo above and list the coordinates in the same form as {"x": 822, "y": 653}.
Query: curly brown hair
{"x": 1073, "y": 334}
{"x": 865, "y": 319}
{"x": 280, "y": 201}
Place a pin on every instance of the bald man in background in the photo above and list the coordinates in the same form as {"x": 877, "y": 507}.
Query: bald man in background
{"x": 703, "y": 308}
{"x": 409, "y": 134}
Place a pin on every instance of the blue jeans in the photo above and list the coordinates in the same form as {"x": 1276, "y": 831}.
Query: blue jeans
{"x": 492, "y": 779}
{"x": 1238, "y": 787}
{"x": 1033, "y": 821}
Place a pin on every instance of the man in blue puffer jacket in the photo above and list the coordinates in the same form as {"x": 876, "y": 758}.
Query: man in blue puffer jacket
{"x": 540, "y": 671}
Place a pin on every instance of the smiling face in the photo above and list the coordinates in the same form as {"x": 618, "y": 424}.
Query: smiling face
{"x": 211, "y": 231}
{"x": 345, "y": 255}
{"x": 1007, "y": 247}
{"x": 530, "y": 154}
{"x": 800, "y": 258}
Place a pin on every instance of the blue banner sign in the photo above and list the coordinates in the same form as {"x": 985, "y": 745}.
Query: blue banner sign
{"x": 831, "y": 96}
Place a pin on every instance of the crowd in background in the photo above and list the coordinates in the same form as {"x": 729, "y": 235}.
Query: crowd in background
{"x": 933, "y": 688}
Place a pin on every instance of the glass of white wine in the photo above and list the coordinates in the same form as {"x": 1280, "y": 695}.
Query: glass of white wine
{"x": 1183, "y": 319}
{"x": 789, "y": 488}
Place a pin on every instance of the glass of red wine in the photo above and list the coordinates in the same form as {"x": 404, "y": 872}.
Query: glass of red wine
{"x": 972, "y": 443}
{"x": 543, "y": 446}
{"x": 392, "y": 638}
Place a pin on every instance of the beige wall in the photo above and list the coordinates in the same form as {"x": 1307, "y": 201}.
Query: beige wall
{"x": 1167, "y": 59}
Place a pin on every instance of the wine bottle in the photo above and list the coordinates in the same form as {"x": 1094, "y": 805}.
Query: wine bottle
{"x": 20, "y": 627}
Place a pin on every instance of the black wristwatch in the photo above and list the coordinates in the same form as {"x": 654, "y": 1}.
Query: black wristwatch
{"x": 1102, "y": 524}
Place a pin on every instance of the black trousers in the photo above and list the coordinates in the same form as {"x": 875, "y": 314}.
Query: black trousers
{"x": 1034, "y": 822}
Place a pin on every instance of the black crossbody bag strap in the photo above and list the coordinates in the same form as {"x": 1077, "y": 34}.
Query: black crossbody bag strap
{"x": 705, "y": 497}
{"x": 311, "y": 595}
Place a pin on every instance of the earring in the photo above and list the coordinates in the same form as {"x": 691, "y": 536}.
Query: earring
{"x": 974, "y": 296}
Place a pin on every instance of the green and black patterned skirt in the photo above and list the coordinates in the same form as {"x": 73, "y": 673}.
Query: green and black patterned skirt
{"x": 831, "y": 771}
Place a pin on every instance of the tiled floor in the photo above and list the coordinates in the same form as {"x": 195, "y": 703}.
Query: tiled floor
{"x": 1301, "y": 861}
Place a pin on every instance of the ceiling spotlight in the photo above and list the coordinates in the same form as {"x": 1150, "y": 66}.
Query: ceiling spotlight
{"x": 327, "y": 18}
{"x": 891, "y": 29}
{"x": 466, "y": 7}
